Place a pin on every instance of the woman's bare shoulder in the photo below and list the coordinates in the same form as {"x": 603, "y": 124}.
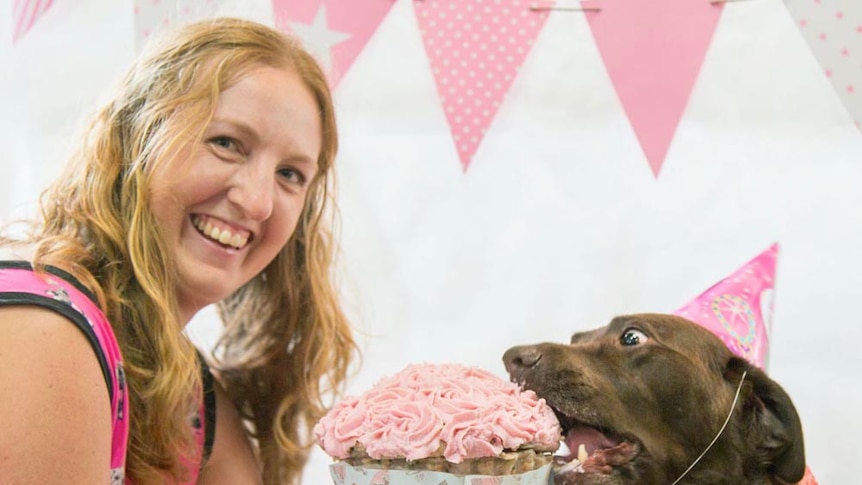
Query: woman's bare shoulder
{"x": 55, "y": 413}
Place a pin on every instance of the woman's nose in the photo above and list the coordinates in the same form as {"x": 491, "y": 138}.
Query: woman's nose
{"x": 252, "y": 192}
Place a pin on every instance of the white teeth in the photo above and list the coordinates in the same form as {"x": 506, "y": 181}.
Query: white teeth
{"x": 572, "y": 466}
{"x": 582, "y": 453}
{"x": 223, "y": 236}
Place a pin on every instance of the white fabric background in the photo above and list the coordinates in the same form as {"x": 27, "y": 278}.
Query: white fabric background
{"x": 559, "y": 224}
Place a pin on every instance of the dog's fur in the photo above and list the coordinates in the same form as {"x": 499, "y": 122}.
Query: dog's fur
{"x": 658, "y": 389}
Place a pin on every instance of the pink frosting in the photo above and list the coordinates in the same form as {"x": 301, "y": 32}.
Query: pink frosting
{"x": 410, "y": 414}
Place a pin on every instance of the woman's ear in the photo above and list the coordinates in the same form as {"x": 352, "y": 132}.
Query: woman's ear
{"x": 776, "y": 430}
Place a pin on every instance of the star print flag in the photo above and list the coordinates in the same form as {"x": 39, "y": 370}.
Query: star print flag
{"x": 739, "y": 308}
{"x": 833, "y": 30}
{"x": 153, "y": 15}
{"x": 335, "y": 31}
{"x": 25, "y": 13}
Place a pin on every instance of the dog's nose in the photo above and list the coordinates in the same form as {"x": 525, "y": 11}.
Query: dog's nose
{"x": 521, "y": 358}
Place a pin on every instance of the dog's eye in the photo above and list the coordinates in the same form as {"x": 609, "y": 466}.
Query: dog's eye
{"x": 633, "y": 336}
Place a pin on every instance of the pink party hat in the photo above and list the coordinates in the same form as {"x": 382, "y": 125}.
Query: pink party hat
{"x": 739, "y": 308}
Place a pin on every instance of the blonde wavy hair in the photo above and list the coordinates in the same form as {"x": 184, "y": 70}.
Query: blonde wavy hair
{"x": 286, "y": 342}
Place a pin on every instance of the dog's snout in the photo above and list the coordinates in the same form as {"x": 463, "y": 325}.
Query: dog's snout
{"x": 521, "y": 358}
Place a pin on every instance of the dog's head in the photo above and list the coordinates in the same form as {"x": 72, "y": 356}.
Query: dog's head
{"x": 647, "y": 394}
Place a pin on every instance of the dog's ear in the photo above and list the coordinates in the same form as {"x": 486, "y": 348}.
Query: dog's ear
{"x": 774, "y": 423}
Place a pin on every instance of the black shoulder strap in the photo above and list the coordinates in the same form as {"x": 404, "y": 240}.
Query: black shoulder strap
{"x": 209, "y": 418}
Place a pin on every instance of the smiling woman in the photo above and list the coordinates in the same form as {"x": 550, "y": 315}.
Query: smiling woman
{"x": 232, "y": 204}
{"x": 204, "y": 180}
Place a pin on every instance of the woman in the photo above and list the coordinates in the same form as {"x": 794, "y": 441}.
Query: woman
{"x": 205, "y": 180}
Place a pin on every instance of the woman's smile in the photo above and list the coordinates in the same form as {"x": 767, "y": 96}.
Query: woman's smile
{"x": 221, "y": 232}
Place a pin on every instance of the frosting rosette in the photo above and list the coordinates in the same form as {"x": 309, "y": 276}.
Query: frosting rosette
{"x": 433, "y": 410}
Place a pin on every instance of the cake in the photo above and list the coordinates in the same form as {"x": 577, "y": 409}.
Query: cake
{"x": 443, "y": 418}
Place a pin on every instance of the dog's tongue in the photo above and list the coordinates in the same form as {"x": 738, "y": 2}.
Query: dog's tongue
{"x": 591, "y": 438}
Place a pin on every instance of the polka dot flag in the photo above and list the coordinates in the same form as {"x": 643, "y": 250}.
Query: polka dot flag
{"x": 475, "y": 48}
{"x": 833, "y": 30}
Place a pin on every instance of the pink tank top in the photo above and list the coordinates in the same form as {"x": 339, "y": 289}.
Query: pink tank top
{"x": 60, "y": 292}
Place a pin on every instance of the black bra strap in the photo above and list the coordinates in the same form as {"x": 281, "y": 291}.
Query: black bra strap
{"x": 209, "y": 418}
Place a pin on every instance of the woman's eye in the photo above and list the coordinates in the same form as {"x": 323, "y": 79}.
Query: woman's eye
{"x": 223, "y": 142}
{"x": 633, "y": 336}
{"x": 292, "y": 175}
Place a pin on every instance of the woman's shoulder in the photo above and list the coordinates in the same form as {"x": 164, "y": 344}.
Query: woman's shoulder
{"x": 35, "y": 321}
{"x": 50, "y": 309}
{"x": 57, "y": 400}
{"x": 32, "y": 328}
{"x": 59, "y": 354}
{"x": 56, "y": 295}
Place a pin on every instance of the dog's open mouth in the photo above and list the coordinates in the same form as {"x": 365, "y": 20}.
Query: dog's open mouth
{"x": 592, "y": 449}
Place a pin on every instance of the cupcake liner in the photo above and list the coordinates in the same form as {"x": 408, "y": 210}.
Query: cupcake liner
{"x": 345, "y": 474}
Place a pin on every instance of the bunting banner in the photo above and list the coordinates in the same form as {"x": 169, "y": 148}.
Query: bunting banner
{"x": 335, "y": 31}
{"x": 833, "y": 30}
{"x": 739, "y": 308}
{"x": 25, "y": 13}
{"x": 653, "y": 52}
{"x": 475, "y": 50}
{"x": 153, "y": 15}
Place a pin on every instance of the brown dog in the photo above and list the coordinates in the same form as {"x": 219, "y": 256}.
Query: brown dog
{"x": 647, "y": 394}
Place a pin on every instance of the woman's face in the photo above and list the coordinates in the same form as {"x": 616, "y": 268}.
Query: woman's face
{"x": 228, "y": 205}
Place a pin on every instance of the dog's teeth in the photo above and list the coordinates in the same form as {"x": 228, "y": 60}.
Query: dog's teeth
{"x": 572, "y": 466}
{"x": 582, "y": 453}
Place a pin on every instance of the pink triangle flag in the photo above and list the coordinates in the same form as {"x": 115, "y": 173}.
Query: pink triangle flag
{"x": 475, "y": 50}
{"x": 335, "y": 31}
{"x": 833, "y": 30}
{"x": 739, "y": 308}
{"x": 25, "y": 13}
{"x": 653, "y": 52}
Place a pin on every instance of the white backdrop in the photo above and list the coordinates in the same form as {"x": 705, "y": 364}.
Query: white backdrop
{"x": 559, "y": 224}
